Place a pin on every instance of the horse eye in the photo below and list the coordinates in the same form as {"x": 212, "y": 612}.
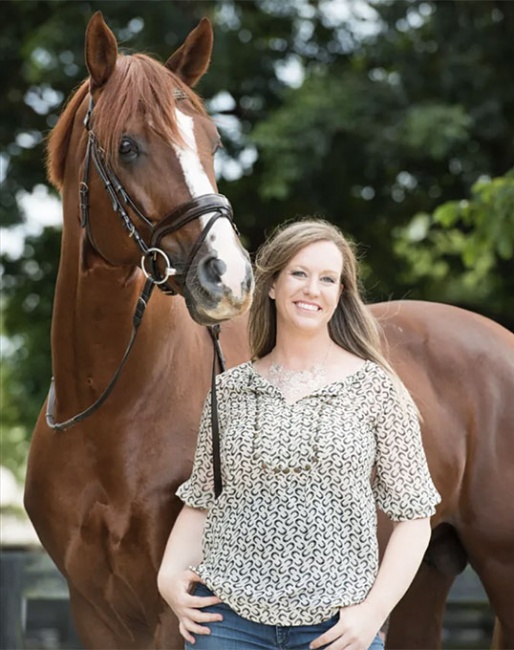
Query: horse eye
{"x": 128, "y": 148}
{"x": 218, "y": 145}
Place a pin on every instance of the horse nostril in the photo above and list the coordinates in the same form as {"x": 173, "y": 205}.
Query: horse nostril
{"x": 215, "y": 268}
{"x": 248, "y": 282}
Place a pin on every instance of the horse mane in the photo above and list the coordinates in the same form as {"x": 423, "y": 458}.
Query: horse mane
{"x": 59, "y": 139}
{"x": 139, "y": 85}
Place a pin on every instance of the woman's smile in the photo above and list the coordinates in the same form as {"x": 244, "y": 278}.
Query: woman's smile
{"x": 307, "y": 306}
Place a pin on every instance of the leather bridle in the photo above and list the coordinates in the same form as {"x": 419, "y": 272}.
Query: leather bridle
{"x": 216, "y": 205}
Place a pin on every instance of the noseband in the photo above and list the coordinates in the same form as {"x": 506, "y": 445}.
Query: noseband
{"x": 216, "y": 205}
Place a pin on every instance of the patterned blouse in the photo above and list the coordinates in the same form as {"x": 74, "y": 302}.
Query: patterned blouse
{"x": 293, "y": 535}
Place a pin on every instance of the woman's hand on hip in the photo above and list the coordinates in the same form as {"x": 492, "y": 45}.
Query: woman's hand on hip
{"x": 187, "y": 607}
{"x": 357, "y": 627}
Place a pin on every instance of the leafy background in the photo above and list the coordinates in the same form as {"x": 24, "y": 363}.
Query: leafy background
{"x": 395, "y": 120}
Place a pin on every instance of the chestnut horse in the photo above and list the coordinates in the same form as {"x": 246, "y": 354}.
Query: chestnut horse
{"x": 101, "y": 494}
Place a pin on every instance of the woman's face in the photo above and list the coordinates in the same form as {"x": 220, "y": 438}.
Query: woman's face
{"x": 307, "y": 290}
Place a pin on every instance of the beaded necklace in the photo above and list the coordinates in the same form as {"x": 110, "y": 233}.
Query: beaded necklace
{"x": 295, "y": 384}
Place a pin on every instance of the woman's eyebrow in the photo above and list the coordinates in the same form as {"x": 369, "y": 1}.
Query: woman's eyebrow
{"x": 305, "y": 268}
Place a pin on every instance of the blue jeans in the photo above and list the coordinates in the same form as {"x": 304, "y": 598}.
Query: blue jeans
{"x": 237, "y": 633}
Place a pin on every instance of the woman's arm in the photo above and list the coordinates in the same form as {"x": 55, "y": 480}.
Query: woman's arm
{"x": 174, "y": 580}
{"x": 358, "y": 624}
{"x": 184, "y": 547}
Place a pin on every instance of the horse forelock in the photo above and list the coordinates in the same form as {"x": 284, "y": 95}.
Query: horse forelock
{"x": 139, "y": 86}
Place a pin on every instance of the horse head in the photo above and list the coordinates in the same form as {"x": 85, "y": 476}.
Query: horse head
{"x": 137, "y": 142}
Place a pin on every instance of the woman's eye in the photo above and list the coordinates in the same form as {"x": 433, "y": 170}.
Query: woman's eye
{"x": 128, "y": 148}
{"x": 298, "y": 274}
{"x": 328, "y": 279}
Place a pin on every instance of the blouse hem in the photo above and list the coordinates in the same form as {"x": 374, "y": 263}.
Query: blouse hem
{"x": 267, "y": 613}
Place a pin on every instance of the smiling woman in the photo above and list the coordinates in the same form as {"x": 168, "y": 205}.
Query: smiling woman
{"x": 289, "y": 550}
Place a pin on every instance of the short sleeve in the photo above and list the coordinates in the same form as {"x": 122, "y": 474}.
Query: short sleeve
{"x": 198, "y": 490}
{"x": 403, "y": 487}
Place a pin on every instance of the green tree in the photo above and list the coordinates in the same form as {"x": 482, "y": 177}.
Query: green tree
{"x": 409, "y": 119}
{"x": 476, "y": 236}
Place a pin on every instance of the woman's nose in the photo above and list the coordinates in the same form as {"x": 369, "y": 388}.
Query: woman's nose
{"x": 311, "y": 287}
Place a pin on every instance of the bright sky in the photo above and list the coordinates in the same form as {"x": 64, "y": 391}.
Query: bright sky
{"x": 40, "y": 209}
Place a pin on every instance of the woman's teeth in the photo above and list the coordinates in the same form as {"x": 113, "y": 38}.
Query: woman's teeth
{"x": 307, "y": 306}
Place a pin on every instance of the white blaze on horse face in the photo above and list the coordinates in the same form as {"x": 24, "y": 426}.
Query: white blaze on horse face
{"x": 222, "y": 238}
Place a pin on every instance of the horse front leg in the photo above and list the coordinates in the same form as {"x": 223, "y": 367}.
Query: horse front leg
{"x": 167, "y": 636}
{"x": 97, "y": 632}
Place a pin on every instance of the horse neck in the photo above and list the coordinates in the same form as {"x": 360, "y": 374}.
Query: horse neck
{"x": 92, "y": 325}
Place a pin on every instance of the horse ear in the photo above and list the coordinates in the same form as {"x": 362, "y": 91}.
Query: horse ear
{"x": 191, "y": 60}
{"x": 101, "y": 50}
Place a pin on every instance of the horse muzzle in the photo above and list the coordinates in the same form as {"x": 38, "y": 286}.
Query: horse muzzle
{"x": 213, "y": 297}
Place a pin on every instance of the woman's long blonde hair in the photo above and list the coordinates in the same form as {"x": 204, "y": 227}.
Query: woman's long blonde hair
{"x": 352, "y": 326}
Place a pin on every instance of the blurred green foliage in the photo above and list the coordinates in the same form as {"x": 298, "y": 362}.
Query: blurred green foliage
{"x": 476, "y": 236}
{"x": 27, "y": 297}
{"x": 393, "y": 119}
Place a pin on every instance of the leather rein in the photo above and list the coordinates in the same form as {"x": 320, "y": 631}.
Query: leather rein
{"x": 215, "y": 204}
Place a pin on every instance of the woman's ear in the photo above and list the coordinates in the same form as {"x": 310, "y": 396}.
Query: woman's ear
{"x": 341, "y": 289}
{"x": 271, "y": 292}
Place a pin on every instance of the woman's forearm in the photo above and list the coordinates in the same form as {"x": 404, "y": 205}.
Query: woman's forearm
{"x": 400, "y": 563}
{"x": 175, "y": 580}
{"x": 184, "y": 547}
